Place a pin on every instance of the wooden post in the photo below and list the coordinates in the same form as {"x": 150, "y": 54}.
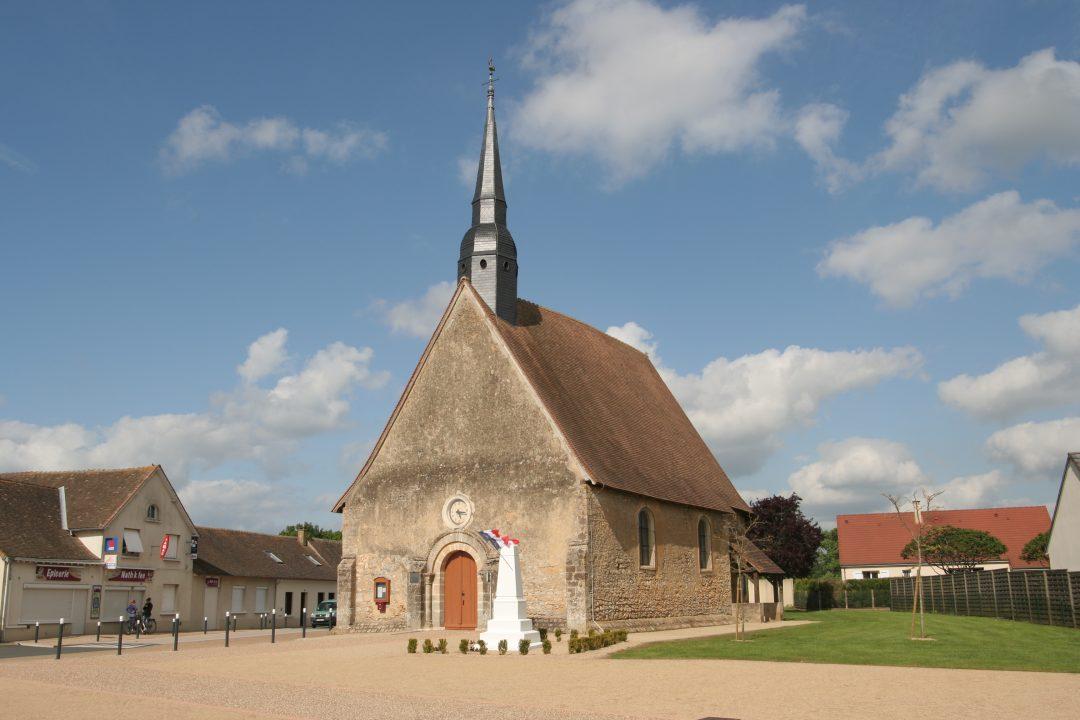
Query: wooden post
{"x": 873, "y": 603}
{"x": 955, "y": 600}
{"x": 1027, "y": 596}
{"x": 845, "y": 597}
{"x": 1046, "y": 589}
{"x": 1012, "y": 601}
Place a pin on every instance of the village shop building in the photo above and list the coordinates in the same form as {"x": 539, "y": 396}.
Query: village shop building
{"x": 250, "y": 574}
{"x": 871, "y": 544}
{"x": 81, "y": 544}
{"x": 521, "y": 418}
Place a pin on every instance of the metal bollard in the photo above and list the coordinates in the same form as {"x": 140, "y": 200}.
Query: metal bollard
{"x": 273, "y": 626}
{"x": 138, "y": 629}
{"x": 59, "y": 638}
{"x": 303, "y": 623}
{"x": 226, "y": 628}
{"x": 176, "y": 632}
{"x": 98, "y": 631}
{"x": 205, "y": 623}
{"x": 234, "y": 623}
{"x": 120, "y": 637}
{"x": 37, "y": 631}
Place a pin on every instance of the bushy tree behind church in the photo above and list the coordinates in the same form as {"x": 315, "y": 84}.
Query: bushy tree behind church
{"x": 786, "y": 535}
{"x": 313, "y": 531}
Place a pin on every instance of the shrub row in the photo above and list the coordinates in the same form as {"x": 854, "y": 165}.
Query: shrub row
{"x": 828, "y": 593}
{"x": 594, "y": 640}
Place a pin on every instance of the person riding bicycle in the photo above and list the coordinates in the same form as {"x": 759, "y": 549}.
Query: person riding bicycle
{"x": 132, "y": 613}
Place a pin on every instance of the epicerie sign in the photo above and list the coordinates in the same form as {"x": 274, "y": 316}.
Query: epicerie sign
{"x": 52, "y": 572}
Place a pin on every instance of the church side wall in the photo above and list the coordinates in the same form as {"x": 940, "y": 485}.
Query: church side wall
{"x": 675, "y": 591}
{"x": 470, "y": 426}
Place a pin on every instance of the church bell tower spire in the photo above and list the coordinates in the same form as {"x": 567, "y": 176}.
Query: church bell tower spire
{"x": 488, "y": 254}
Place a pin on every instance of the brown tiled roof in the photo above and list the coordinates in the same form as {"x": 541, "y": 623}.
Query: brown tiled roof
{"x": 879, "y": 538}
{"x": 615, "y": 410}
{"x": 760, "y": 561}
{"x": 622, "y": 422}
{"x": 30, "y": 525}
{"x": 93, "y": 496}
{"x": 244, "y": 554}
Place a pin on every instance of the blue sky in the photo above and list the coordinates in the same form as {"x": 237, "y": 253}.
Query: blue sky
{"x": 847, "y": 232}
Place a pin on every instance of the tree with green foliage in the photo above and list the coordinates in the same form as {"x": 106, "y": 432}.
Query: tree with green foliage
{"x": 783, "y": 533}
{"x": 954, "y": 549}
{"x": 827, "y": 562}
{"x": 312, "y": 530}
{"x": 1035, "y": 549}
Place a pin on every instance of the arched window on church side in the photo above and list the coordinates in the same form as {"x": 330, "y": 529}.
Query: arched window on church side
{"x": 646, "y": 539}
{"x": 704, "y": 544}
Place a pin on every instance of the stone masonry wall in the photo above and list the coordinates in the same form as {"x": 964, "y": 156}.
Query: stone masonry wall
{"x": 471, "y": 425}
{"x": 675, "y": 588}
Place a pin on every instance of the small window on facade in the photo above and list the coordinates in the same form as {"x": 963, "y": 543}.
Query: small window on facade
{"x": 462, "y": 267}
{"x": 483, "y": 264}
{"x": 646, "y": 539}
{"x": 152, "y": 513}
{"x": 132, "y": 542}
{"x": 869, "y": 574}
{"x": 506, "y": 264}
{"x": 704, "y": 548}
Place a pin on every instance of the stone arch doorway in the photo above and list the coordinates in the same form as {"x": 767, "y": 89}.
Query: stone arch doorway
{"x": 459, "y": 591}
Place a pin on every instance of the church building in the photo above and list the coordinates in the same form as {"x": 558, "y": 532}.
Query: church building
{"x": 522, "y": 419}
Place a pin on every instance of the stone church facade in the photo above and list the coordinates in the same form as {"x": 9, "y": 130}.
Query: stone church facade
{"x": 523, "y": 419}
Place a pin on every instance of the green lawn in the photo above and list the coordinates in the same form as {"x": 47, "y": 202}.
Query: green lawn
{"x": 869, "y": 637}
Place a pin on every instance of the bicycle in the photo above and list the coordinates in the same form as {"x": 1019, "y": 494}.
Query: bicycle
{"x": 146, "y": 625}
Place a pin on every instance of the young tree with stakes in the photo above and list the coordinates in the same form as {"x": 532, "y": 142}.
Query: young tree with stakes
{"x": 740, "y": 547}
{"x": 917, "y": 530}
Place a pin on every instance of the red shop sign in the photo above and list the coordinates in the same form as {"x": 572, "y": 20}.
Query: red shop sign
{"x": 164, "y": 546}
{"x": 131, "y": 575}
{"x": 213, "y": 582}
{"x": 52, "y": 572}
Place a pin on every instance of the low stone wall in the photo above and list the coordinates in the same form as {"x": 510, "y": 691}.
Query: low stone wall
{"x": 664, "y": 623}
{"x": 761, "y": 612}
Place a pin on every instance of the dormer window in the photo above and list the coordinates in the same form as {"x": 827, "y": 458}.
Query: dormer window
{"x": 274, "y": 557}
{"x": 152, "y": 513}
{"x": 313, "y": 560}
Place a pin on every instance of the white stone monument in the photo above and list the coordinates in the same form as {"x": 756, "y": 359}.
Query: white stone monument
{"x": 509, "y": 620}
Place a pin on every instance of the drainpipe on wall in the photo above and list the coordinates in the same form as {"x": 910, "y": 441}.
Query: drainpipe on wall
{"x": 7, "y": 594}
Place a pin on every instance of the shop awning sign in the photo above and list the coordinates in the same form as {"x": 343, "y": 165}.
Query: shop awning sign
{"x": 213, "y": 582}
{"x": 55, "y": 572}
{"x": 131, "y": 575}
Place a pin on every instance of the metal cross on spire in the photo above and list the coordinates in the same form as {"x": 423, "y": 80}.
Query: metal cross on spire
{"x": 491, "y": 80}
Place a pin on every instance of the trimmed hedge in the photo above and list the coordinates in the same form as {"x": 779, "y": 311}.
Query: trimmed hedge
{"x": 595, "y": 641}
{"x": 828, "y": 593}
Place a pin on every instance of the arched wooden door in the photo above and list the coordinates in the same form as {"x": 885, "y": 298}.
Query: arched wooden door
{"x": 459, "y": 592}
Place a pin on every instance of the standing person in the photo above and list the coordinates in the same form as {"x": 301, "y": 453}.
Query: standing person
{"x": 132, "y": 613}
{"x": 147, "y": 609}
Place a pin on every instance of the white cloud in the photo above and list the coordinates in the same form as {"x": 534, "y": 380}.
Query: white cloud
{"x": 204, "y": 136}
{"x": 817, "y": 130}
{"x": 999, "y": 237}
{"x": 1044, "y": 379}
{"x": 265, "y": 356}
{"x": 417, "y": 316}
{"x": 972, "y": 491}
{"x": 1036, "y": 449}
{"x": 742, "y": 406}
{"x": 248, "y": 423}
{"x": 15, "y": 160}
{"x": 251, "y": 505}
{"x": 626, "y": 80}
{"x": 852, "y": 475}
{"x": 963, "y": 122}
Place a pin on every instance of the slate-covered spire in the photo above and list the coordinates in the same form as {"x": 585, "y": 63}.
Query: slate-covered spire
{"x": 488, "y": 254}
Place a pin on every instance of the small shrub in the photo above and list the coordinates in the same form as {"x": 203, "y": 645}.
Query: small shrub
{"x": 573, "y": 645}
{"x": 573, "y": 634}
{"x": 463, "y": 646}
{"x": 546, "y": 644}
{"x": 543, "y": 634}
{"x": 502, "y": 647}
{"x": 558, "y": 634}
{"x": 592, "y": 632}
{"x": 412, "y": 645}
{"x": 428, "y": 647}
{"x": 483, "y": 647}
{"x": 442, "y": 645}
{"x": 523, "y": 646}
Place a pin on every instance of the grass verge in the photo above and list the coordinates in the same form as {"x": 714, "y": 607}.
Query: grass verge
{"x": 868, "y": 637}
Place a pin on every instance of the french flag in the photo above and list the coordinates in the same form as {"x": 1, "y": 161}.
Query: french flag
{"x": 498, "y": 540}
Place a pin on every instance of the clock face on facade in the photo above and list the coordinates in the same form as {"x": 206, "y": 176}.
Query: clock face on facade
{"x": 458, "y": 511}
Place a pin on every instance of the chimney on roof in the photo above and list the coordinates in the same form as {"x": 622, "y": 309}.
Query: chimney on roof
{"x": 301, "y": 534}
{"x": 63, "y": 507}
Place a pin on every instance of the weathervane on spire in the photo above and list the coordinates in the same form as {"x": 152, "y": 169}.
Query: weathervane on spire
{"x": 491, "y": 77}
